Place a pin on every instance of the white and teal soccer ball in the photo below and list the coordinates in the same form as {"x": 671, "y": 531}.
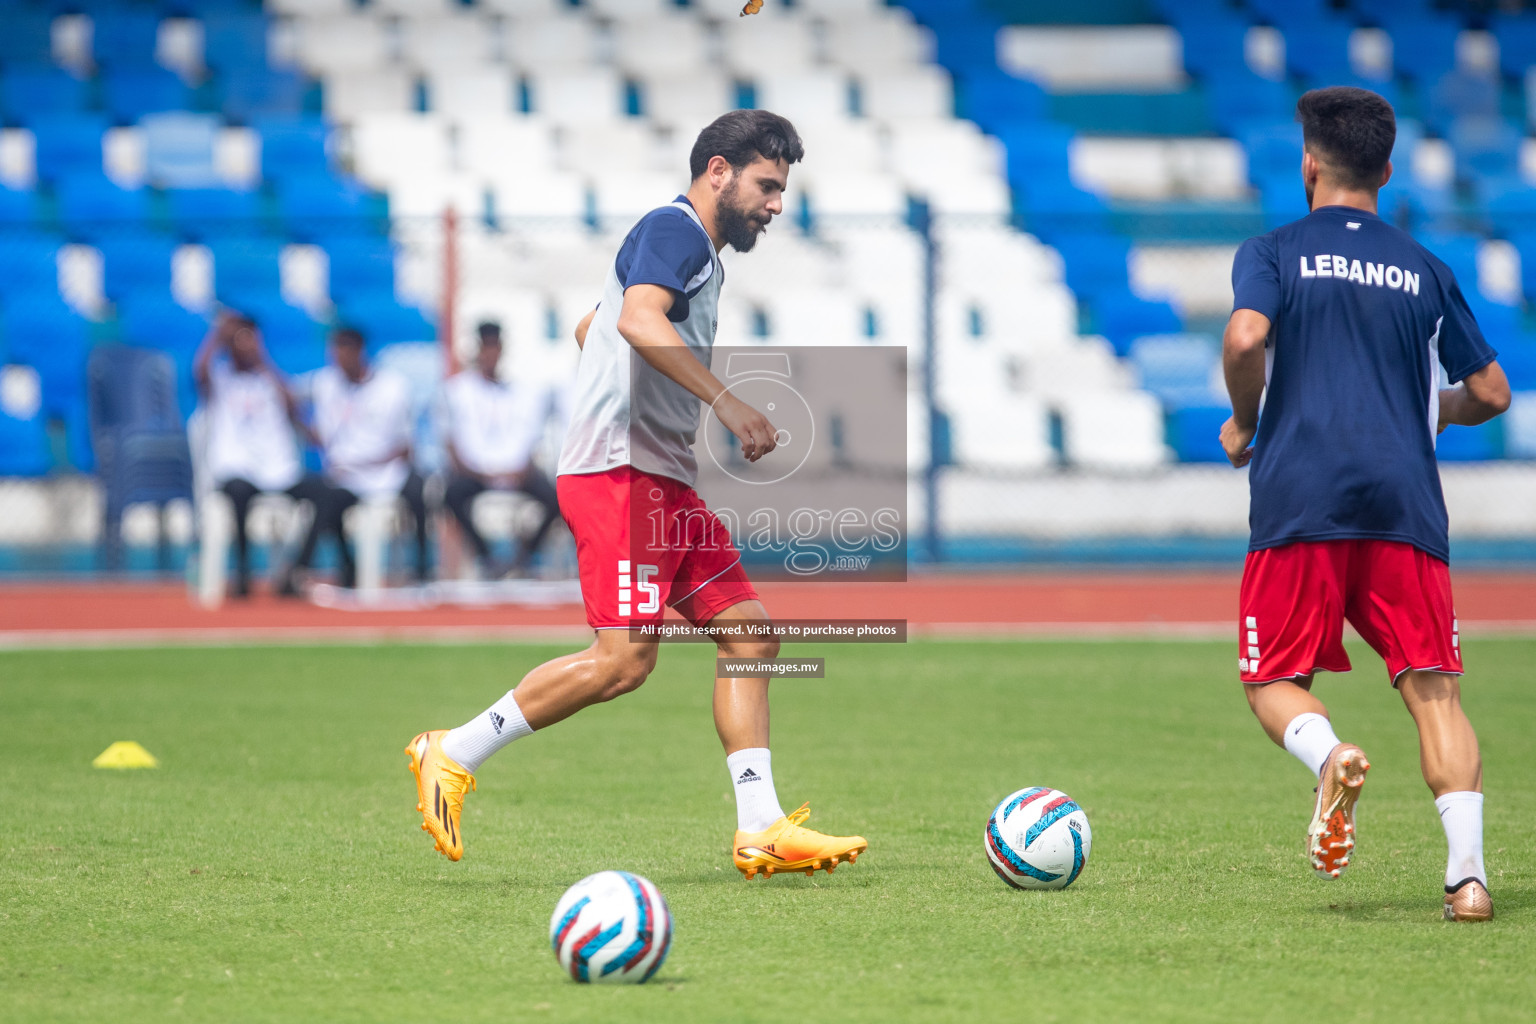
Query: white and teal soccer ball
{"x": 611, "y": 927}
{"x": 1038, "y": 838}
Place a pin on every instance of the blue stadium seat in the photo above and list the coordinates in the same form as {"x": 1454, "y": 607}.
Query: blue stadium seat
{"x": 246, "y": 268}
{"x": 1517, "y": 43}
{"x": 27, "y": 39}
{"x": 53, "y": 339}
{"x": 1283, "y": 198}
{"x": 996, "y": 101}
{"x": 1517, "y": 358}
{"x": 384, "y": 322}
{"x": 1455, "y": 94}
{"x": 1416, "y": 207}
{"x": 69, "y": 145}
{"x": 1095, "y": 262}
{"x": 1194, "y": 432}
{"x": 1037, "y": 152}
{"x": 235, "y": 41}
{"x": 1123, "y": 317}
{"x": 133, "y": 92}
{"x": 29, "y": 265}
{"x": 1282, "y": 12}
{"x": 252, "y": 93}
{"x": 1525, "y": 243}
{"x": 312, "y": 207}
{"x": 203, "y": 214}
{"x": 294, "y": 340}
{"x": 152, "y": 319}
{"x": 1176, "y": 367}
{"x": 1317, "y": 49}
{"x": 34, "y": 95}
{"x": 292, "y": 146}
{"x": 1423, "y": 46}
{"x": 1052, "y": 208}
{"x": 134, "y": 262}
{"x": 124, "y": 37}
{"x": 178, "y": 149}
{"x": 24, "y": 449}
{"x": 1243, "y": 99}
{"x": 1457, "y": 251}
{"x": 1485, "y": 147}
{"x": 18, "y": 208}
{"x": 1274, "y": 150}
{"x": 1213, "y": 46}
{"x": 360, "y": 265}
{"x": 92, "y": 207}
{"x": 1470, "y": 444}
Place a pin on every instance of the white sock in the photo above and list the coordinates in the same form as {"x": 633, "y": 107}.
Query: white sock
{"x": 1461, "y": 814}
{"x": 757, "y": 804}
{"x": 480, "y": 737}
{"x": 1310, "y": 737}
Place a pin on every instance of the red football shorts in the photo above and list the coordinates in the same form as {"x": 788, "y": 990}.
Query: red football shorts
{"x": 1296, "y": 598}
{"x": 645, "y": 543}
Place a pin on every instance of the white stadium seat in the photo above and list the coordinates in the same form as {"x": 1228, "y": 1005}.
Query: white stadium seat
{"x": 551, "y": 44}
{"x": 816, "y": 316}
{"x": 933, "y": 147}
{"x": 352, "y": 42}
{"x": 586, "y": 95}
{"x": 488, "y": 146}
{"x": 877, "y": 42}
{"x": 525, "y": 8}
{"x": 388, "y": 148}
{"x": 1001, "y": 431}
{"x": 623, "y": 197}
{"x": 921, "y": 91}
{"x": 632, "y": 10}
{"x": 416, "y": 8}
{"x": 744, "y": 42}
{"x": 446, "y": 43}
{"x": 551, "y": 195}
{"x": 804, "y": 95}
{"x": 472, "y": 91}
{"x": 670, "y": 45}
{"x": 599, "y": 147}
{"x": 840, "y": 146}
{"x": 968, "y": 195}
{"x": 423, "y": 195}
{"x": 1113, "y": 430}
{"x": 349, "y": 95}
{"x": 857, "y": 195}
{"x": 1088, "y": 365}
{"x": 686, "y": 102}
{"x": 311, "y": 8}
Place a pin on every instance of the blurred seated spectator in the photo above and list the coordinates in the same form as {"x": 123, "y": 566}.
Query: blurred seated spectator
{"x": 363, "y": 422}
{"x": 250, "y": 420}
{"x": 493, "y": 427}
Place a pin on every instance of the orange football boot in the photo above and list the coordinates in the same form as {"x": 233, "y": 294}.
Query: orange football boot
{"x": 440, "y": 787}
{"x": 1331, "y": 835}
{"x": 786, "y": 846}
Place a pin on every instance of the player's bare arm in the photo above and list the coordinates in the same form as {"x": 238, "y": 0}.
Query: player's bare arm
{"x": 643, "y": 323}
{"x": 1478, "y": 399}
{"x": 1242, "y": 360}
{"x": 581, "y": 329}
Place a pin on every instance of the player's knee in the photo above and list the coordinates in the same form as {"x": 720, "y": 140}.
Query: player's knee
{"x": 624, "y": 673}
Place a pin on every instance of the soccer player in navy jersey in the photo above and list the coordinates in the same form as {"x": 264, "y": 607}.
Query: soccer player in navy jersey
{"x": 1339, "y": 321}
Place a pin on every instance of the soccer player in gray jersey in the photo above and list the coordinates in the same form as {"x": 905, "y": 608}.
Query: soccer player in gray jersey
{"x": 644, "y": 539}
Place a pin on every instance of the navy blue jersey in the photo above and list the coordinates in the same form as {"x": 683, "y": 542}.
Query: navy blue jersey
{"x": 1346, "y": 442}
{"x": 667, "y": 247}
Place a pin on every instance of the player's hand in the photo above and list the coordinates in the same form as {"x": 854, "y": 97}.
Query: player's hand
{"x": 757, "y": 436}
{"x": 1237, "y": 442}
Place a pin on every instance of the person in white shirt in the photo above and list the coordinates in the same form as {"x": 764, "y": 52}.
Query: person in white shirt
{"x": 494, "y": 425}
{"x": 362, "y": 419}
{"x": 250, "y": 422}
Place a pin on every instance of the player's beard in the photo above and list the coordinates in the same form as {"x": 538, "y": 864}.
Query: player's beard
{"x": 739, "y": 229}
{"x": 1310, "y": 188}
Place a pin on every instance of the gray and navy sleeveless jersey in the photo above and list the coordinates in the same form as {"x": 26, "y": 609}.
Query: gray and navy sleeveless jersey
{"x": 626, "y": 412}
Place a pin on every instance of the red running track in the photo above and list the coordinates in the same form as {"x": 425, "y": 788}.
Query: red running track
{"x": 1088, "y": 603}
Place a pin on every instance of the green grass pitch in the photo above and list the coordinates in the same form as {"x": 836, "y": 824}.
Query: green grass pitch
{"x": 272, "y": 868}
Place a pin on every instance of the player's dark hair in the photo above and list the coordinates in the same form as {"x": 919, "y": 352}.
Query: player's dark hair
{"x": 1351, "y": 130}
{"x": 349, "y": 336}
{"x": 489, "y": 330}
{"x": 742, "y": 136}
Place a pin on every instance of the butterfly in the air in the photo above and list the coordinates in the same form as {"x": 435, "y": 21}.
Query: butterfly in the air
{"x": 753, "y": 6}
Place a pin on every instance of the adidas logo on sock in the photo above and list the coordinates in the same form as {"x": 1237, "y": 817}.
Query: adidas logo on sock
{"x": 748, "y": 776}
{"x": 497, "y": 722}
